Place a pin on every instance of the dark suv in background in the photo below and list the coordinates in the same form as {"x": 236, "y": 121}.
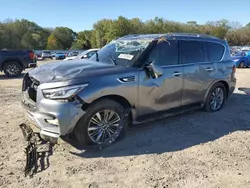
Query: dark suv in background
{"x": 135, "y": 78}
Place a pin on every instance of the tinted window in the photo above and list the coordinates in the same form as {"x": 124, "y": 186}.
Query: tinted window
{"x": 165, "y": 53}
{"x": 215, "y": 51}
{"x": 191, "y": 52}
{"x": 90, "y": 54}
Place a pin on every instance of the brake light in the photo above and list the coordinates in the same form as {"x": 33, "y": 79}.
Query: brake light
{"x": 234, "y": 69}
{"x": 32, "y": 55}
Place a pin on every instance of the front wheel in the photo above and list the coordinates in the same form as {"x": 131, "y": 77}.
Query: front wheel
{"x": 12, "y": 69}
{"x": 102, "y": 124}
{"x": 216, "y": 98}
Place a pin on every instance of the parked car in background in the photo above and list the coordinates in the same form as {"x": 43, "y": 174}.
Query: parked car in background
{"x": 242, "y": 59}
{"x": 135, "y": 78}
{"x": 73, "y": 54}
{"x": 60, "y": 55}
{"x": 46, "y": 54}
{"x": 84, "y": 55}
{"x": 39, "y": 55}
{"x": 14, "y": 62}
{"x": 53, "y": 54}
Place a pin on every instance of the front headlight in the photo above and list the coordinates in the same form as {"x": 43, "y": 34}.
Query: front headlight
{"x": 63, "y": 92}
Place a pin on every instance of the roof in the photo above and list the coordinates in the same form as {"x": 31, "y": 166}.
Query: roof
{"x": 169, "y": 36}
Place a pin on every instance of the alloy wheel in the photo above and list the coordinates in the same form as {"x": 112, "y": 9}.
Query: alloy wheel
{"x": 217, "y": 99}
{"x": 12, "y": 69}
{"x": 103, "y": 126}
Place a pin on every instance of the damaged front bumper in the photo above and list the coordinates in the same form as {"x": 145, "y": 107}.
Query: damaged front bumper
{"x": 36, "y": 150}
{"x": 54, "y": 118}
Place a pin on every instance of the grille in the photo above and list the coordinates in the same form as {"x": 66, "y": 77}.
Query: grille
{"x": 30, "y": 85}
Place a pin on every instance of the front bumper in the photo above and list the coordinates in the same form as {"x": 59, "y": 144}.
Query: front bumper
{"x": 53, "y": 118}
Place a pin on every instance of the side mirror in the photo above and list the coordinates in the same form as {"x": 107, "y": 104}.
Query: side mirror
{"x": 154, "y": 70}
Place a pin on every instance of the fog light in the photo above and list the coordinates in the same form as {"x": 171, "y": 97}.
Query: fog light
{"x": 52, "y": 121}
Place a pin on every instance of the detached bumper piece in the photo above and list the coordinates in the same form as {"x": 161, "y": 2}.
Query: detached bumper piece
{"x": 37, "y": 151}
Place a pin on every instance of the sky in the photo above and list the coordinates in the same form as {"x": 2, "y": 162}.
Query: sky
{"x": 82, "y": 14}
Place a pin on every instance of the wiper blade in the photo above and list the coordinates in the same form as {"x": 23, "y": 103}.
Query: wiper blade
{"x": 112, "y": 58}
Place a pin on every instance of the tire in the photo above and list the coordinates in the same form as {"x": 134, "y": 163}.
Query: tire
{"x": 12, "y": 69}
{"x": 209, "y": 105}
{"x": 241, "y": 65}
{"x": 83, "y": 132}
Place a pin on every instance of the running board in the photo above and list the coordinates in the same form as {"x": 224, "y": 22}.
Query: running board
{"x": 168, "y": 113}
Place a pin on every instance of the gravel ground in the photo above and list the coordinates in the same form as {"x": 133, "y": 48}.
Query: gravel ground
{"x": 196, "y": 149}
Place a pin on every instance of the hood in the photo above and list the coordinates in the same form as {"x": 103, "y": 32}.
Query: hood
{"x": 67, "y": 70}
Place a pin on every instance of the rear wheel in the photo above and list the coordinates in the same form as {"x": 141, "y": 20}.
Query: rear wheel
{"x": 241, "y": 65}
{"x": 102, "y": 124}
{"x": 12, "y": 69}
{"x": 216, "y": 98}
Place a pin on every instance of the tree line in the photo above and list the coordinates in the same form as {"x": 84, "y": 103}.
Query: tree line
{"x": 24, "y": 34}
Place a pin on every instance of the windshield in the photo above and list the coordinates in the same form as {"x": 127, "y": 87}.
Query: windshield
{"x": 121, "y": 52}
{"x": 240, "y": 54}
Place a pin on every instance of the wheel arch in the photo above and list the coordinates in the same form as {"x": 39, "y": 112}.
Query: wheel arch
{"x": 11, "y": 60}
{"x": 119, "y": 99}
{"x": 219, "y": 81}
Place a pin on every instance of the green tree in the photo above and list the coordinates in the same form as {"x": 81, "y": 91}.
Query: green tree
{"x": 28, "y": 41}
{"x": 64, "y": 35}
{"x": 53, "y": 43}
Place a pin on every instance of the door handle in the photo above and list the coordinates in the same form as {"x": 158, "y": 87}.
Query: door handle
{"x": 209, "y": 69}
{"x": 176, "y": 73}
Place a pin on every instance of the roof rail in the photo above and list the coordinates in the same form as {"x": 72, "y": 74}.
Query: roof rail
{"x": 193, "y": 34}
{"x": 130, "y": 35}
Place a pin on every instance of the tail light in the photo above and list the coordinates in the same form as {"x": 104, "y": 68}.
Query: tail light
{"x": 32, "y": 55}
{"x": 234, "y": 69}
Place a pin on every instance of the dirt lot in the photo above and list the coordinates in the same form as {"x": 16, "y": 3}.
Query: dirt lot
{"x": 197, "y": 149}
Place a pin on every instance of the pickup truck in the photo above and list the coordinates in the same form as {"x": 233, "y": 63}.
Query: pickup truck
{"x": 14, "y": 62}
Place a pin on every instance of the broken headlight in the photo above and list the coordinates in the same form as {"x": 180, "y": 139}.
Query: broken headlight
{"x": 63, "y": 92}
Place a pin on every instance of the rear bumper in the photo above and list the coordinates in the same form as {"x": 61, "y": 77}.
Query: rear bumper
{"x": 31, "y": 65}
{"x": 60, "y": 57}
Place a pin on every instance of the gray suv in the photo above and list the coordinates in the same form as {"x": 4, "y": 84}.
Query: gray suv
{"x": 133, "y": 79}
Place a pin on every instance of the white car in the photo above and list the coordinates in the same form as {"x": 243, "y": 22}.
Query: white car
{"x": 84, "y": 55}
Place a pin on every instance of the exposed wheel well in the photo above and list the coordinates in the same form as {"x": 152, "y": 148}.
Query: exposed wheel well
{"x": 11, "y": 60}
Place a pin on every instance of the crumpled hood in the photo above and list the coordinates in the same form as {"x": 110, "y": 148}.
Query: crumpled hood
{"x": 66, "y": 70}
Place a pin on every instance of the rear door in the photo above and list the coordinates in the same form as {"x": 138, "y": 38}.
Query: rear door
{"x": 192, "y": 57}
{"x": 164, "y": 92}
{"x": 213, "y": 53}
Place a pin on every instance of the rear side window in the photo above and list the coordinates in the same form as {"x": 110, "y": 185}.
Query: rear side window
{"x": 215, "y": 51}
{"x": 191, "y": 52}
{"x": 165, "y": 53}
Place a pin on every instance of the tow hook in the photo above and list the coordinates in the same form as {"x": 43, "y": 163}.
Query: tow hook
{"x": 37, "y": 150}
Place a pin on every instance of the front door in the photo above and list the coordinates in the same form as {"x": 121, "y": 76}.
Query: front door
{"x": 164, "y": 92}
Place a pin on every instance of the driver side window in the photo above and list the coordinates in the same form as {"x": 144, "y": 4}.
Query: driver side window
{"x": 164, "y": 53}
